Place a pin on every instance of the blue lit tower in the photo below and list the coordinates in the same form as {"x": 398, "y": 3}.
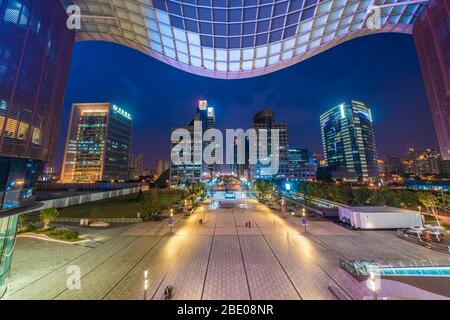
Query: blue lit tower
{"x": 348, "y": 139}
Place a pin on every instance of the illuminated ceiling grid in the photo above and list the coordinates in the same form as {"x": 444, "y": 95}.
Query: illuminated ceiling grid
{"x": 194, "y": 37}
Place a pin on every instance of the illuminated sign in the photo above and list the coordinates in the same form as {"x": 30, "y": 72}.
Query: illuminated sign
{"x": 121, "y": 112}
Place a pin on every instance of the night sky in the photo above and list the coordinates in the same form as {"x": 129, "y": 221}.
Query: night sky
{"x": 382, "y": 70}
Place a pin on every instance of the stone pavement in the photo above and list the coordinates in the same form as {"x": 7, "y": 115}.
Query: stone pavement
{"x": 220, "y": 259}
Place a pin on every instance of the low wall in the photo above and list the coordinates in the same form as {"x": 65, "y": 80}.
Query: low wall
{"x": 107, "y": 220}
{"x": 90, "y": 197}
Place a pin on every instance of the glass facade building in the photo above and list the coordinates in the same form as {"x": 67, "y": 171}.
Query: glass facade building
{"x": 182, "y": 174}
{"x": 265, "y": 120}
{"x": 236, "y": 38}
{"x": 432, "y": 37}
{"x": 35, "y": 52}
{"x": 98, "y": 144}
{"x": 348, "y": 140}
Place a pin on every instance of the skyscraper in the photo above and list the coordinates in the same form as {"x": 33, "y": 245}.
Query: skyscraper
{"x": 432, "y": 37}
{"x": 181, "y": 174}
{"x": 348, "y": 139}
{"x": 302, "y": 164}
{"x": 136, "y": 165}
{"x": 98, "y": 144}
{"x": 265, "y": 119}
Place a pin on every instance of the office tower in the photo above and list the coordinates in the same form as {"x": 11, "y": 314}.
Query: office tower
{"x": 302, "y": 164}
{"x": 348, "y": 140}
{"x": 265, "y": 119}
{"x": 98, "y": 144}
{"x": 298, "y": 157}
{"x": 195, "y": 172}
{"x": 432, "y": 38}
{"x": 136, "y": 165}
{"x": 161, "y": 166}
{"x": 207, "y": 116}
{"x": 35, "y": 53}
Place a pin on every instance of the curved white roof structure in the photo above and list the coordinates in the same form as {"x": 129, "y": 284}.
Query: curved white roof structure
{"x": 232, "y": 39}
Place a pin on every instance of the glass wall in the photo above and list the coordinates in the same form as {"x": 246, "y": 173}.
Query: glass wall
{"x": 8, "y": 226}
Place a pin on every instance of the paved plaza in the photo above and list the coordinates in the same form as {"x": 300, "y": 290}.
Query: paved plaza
{"x": 219, "y": 259}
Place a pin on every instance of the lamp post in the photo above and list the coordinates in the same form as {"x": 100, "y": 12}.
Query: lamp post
{"x": 145, "y": 284}
{"x": 373, "y": 284}
{"x": 171, "y": 220}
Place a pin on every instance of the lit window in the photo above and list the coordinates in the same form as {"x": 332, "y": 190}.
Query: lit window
{"x": 11, "y": 126}
{"x": 36, "y": 139}
{"x": 23, "y": 130}
{"x": 2, "y": 121}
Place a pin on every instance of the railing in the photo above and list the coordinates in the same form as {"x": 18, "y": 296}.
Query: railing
{"x": 431, "y": 245}
{"x": 106, "y": 220}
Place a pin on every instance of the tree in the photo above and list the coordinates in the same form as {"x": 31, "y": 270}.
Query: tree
{"x": 149, "y": 203}
{"x": 264, "y": 189}
{"x": 430, "y": 202}
{"x": 47, "y": 216}
{"x": 361, "y": 195}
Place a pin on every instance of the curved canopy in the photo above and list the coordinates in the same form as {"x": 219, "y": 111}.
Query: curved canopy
{"x": 234, "y": 39}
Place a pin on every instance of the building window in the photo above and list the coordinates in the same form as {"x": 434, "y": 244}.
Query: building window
{"x": 10, "y": 130}
{"x": 36, "y": 139}
{"x": 23, "y": 130}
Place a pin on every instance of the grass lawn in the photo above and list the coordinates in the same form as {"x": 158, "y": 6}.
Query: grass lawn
{"x": 120, "y": 207}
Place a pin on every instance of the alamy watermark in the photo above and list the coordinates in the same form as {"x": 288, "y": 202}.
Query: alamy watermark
{"x": 198, "y": 147}
{"x": 373, "y": 21}
{"x": 74, "y": 19}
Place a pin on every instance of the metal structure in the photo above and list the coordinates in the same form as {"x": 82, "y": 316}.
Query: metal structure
{"x": 233, "y": 39}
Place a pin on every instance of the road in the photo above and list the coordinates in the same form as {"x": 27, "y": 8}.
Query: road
{"x": 220, "y": 259}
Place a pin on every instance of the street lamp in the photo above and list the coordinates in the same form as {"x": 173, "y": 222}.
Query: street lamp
{"x": 171, "y": 220}
{"x": 372, "y": 284}
{"x": 145, "y": 284}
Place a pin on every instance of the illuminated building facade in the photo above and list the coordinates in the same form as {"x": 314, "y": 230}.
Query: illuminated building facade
{"x": 265, "y": 120}
{"x": 35, "y": 52}
{"x": 348, "y": 140}
{"x": 98, "y": 144}
{"x": 182, "y": 174}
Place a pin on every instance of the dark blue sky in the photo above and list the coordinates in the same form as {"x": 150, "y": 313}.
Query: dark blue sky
{"x": 382, "y": 71}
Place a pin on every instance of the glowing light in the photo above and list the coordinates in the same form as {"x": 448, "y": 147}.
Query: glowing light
{"x": 342, "y": 111}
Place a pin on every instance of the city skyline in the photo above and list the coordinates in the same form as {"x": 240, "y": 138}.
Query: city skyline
{"x": 157, "y": 114}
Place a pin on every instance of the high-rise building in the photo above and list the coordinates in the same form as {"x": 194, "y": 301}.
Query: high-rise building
{"x": 161, "y": 166}
{"x": 136, "y": 165}
{"x": 302, "y": 164}
{"x": 98, "y": 144}
{"x": 348, "y": 140}
{"x": 298, "y": 157}
{"x": 181, "y": 174}
{"x": 432, "y": 37}
{"x": 265, "y": 119}
{"x": 35, "y": 52}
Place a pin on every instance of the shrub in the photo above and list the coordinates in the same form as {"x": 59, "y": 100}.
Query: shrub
{"x": 64, "y": 234}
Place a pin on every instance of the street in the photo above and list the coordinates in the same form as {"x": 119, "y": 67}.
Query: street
{"x": 220, "y": 259}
